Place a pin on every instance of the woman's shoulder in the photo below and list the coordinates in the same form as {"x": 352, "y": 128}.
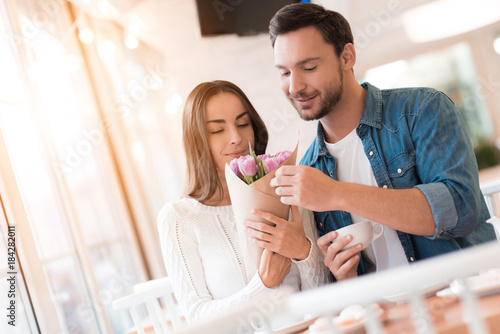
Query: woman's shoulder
{"x": 182, "y": 207}
{"x": 188, "y": 208}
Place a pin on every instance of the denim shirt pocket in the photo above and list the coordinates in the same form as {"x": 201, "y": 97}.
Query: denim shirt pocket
{"x": 321, "y": 221}
{"x": 401, "y": 170}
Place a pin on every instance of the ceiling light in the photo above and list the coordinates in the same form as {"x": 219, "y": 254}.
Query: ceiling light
{"x": 131, "y": 42}
{"x": 496, "y": 44}
{"x": 86, "y": 35}
{"x": 445, "y": 18}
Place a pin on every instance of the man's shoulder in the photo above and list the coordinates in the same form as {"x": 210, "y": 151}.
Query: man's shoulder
{"x": 414, "y": 100}
{"x": 410, "y": 93}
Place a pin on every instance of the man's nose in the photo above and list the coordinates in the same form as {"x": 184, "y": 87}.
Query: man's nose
{"x": 296, "y": 85}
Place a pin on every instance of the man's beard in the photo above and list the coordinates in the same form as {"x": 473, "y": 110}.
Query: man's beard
{"x": 327, "y": 104}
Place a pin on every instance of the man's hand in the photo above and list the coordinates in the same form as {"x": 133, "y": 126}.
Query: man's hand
{"x": 342, "y": 264}
{"x": 286, "y": 238}
{"x": 306, "y": 187}
{"x": 405, "y": 210}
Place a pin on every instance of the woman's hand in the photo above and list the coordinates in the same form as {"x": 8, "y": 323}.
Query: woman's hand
{"x": 342, "y": 263}
{"x": 273, "y": 268}
{"x": 286, "y": 238}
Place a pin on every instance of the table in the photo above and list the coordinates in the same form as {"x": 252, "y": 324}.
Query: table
{"x": 446, "y": 315}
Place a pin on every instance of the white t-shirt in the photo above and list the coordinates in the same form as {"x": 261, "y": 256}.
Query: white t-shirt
{"x": 353, "y": 166}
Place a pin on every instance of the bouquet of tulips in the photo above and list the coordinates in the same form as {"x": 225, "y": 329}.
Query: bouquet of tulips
{"x": 256, "y": 171}
{"x": 252, "y": 167}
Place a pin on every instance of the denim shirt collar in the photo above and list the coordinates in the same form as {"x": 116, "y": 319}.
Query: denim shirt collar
{"x": 372, "y": 112}
{"x": 372, "y": 116}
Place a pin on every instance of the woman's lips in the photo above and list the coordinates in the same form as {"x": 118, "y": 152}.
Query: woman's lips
{"x": 237, "y": 154}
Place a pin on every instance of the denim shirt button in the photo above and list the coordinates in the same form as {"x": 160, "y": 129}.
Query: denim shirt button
{"x": 412, "y": 259}
{"x": 331, "y": 173}
{"x": 385, "y": 186}
{"x": 371, "y": 153}
{"x": 400, "y": 170}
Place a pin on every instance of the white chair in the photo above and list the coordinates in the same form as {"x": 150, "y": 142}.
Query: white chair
{"x": 491, "y": 193}
{"x": 148, "y": 294}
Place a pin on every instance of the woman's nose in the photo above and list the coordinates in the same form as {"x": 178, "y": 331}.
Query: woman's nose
{"x": 235, "y": 136}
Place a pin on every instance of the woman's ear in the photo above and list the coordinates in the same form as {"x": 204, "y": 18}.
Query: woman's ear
{"x": 348, "y": 57}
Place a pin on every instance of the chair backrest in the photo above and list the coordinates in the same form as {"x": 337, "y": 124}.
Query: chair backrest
{"x": 148, "y": 294}
{"x": 491, "y": 193}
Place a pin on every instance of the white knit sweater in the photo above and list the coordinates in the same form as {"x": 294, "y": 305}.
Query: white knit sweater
{"x": 202, "y": 256}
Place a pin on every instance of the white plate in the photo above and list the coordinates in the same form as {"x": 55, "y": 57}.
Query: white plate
{"x": 483, "y": 284}
{"x": 296, "y": 327}
{"x": 426, "y": 291}
{"x": 353, "y": 328}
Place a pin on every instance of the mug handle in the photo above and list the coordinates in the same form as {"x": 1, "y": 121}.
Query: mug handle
{"x": 376, "y": 226}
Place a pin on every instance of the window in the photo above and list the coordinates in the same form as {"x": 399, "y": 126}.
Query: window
{"x": 61, "y": 172}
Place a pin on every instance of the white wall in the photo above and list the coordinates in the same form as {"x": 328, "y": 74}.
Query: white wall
{"x": 248, "y": 61}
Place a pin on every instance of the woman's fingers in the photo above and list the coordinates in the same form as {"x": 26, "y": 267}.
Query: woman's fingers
{"x": 268, "y": 216}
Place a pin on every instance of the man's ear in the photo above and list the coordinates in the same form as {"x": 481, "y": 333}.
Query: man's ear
{"x": 348, "y": 57}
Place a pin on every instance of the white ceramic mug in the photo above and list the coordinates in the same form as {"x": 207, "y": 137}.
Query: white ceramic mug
{"x": 362, "y": 233}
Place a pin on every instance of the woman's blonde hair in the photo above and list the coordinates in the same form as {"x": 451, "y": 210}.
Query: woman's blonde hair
{"x": 203, "y": 180}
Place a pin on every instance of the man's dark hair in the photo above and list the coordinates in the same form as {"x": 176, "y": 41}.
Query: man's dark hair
{"x": 333, "y": 27}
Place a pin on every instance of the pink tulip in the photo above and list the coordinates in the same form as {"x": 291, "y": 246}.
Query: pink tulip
{"x": 270, "y": 164}
{"x": 235, "y": 167}
{"x": 283, "y": 155}
{"x": 248, "y": 166}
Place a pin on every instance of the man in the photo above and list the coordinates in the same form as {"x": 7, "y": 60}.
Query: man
{"x": 399, "y": 157}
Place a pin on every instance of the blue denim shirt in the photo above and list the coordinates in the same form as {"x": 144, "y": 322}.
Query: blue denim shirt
{"x": 415, "y": 137}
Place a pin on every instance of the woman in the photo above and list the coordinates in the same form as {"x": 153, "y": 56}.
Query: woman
{"x": 198, "y": 232}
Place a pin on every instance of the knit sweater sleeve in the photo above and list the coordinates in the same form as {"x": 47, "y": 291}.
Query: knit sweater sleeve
{"x": 181, "y": 254}
{"x": 313, "y": 272}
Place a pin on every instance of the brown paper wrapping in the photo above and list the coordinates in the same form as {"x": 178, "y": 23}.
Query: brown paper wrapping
{"x": 258, "y": 195}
